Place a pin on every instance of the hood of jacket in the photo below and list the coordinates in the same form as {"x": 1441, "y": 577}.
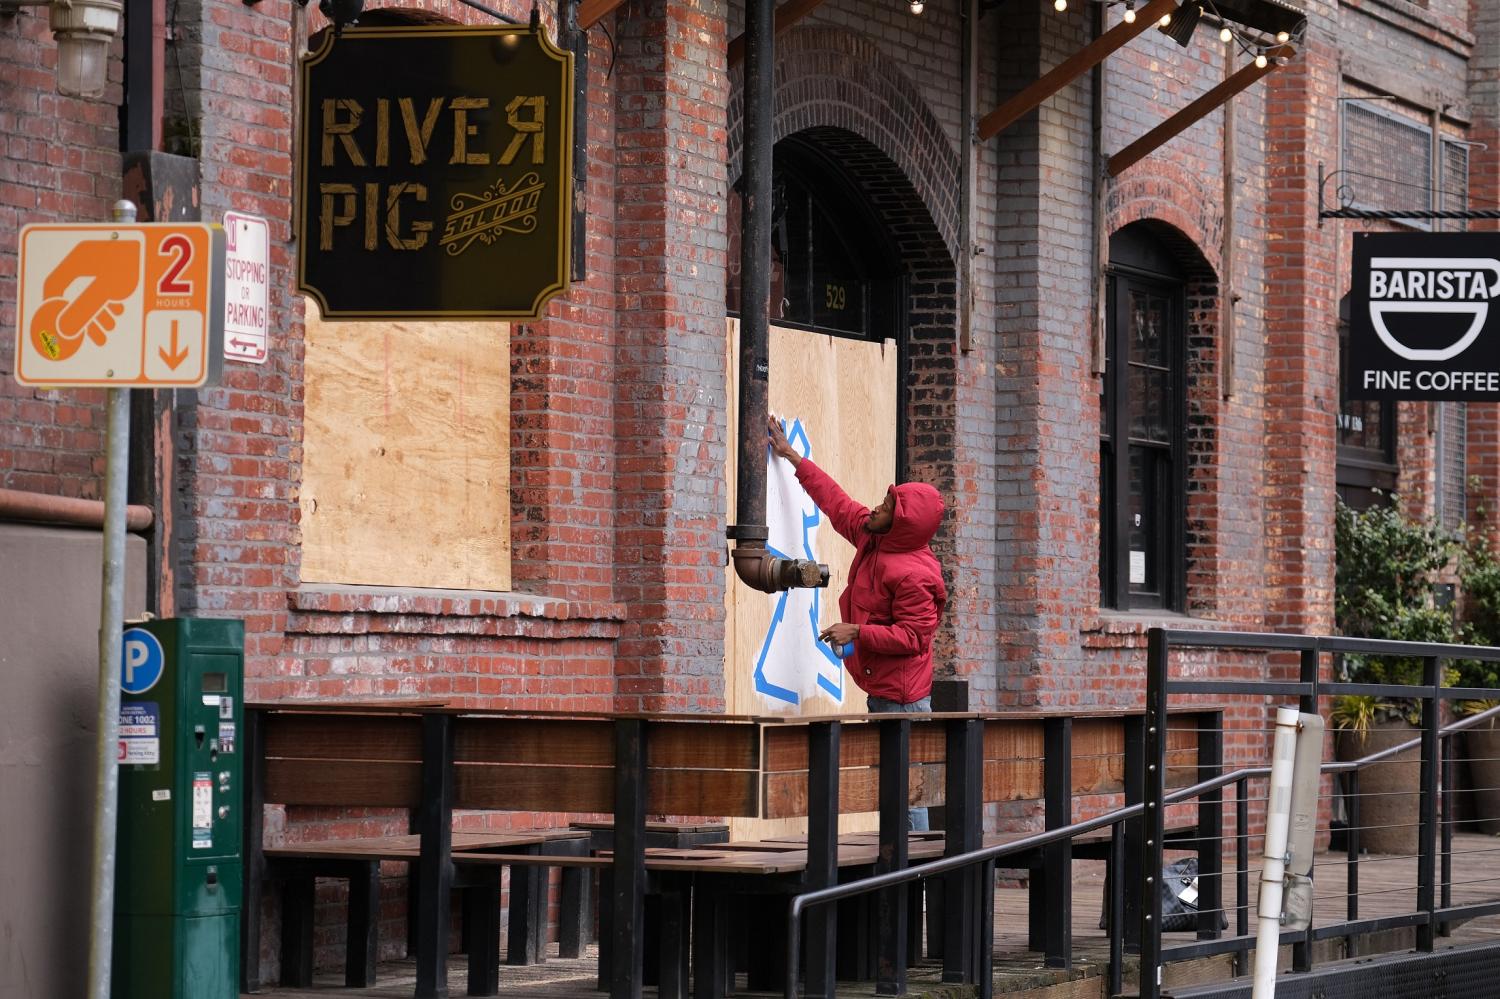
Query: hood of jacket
{"x": 919, "y": 511}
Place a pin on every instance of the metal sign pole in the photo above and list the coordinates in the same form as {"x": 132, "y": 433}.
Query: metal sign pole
{"x": 111, "y": 622}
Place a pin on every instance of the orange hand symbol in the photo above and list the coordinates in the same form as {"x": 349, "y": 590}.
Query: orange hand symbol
{"x": 113, "y": 270}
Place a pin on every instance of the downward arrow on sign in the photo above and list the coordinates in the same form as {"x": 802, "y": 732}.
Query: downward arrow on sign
{"x": 176, "y": 356}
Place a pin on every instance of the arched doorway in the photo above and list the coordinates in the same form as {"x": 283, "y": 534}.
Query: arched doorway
{"x": 840, "y": 377}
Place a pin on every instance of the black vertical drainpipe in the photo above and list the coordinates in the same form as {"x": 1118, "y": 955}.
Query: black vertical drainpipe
{"x": 755, "y": 277}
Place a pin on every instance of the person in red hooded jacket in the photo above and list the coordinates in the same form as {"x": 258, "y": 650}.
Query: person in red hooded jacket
{"x": 889, "y": 609}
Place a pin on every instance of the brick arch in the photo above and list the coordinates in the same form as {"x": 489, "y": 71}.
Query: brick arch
{"x": 831, "y": 80}
{"x": 1182, "y": 212}
{"x": 1178, "y": 211}
{"x": 837, "y": 92}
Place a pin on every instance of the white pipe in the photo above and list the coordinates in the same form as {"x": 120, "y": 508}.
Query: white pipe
{"x": 1278, "y": 821}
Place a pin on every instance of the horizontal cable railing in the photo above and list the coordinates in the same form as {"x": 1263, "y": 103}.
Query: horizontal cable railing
{"x": 1430, "y": 917}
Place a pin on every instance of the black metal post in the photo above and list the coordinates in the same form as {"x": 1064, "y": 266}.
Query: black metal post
{"x": 1115, "y": 899}
{"x": 963, "y": 806}
{"x": 822, "y": 854}
{"x": 755, "y": 269}
{"x": 252, "y": 843}
{"x": 1427, "y": 827}
{"x": 1152, "y": 779}
{"x": 1351, "y": 810}
{"x": 629, "y": 867}
{"x": 1057, "y": 859}
{"x": 1210, "y": 826}
{"x": 890, "y": 906}
{"x": 1241, "y": 869}
{"x": 434, "y": 864}
{"x": 1132, "y": 871}
{"x": 987, "y": 930}
{"x": 1302, "y": 949}
{"x": 1446, "y": 835}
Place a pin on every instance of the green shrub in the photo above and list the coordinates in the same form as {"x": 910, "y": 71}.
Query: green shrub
{"x": 1383, "y": 589}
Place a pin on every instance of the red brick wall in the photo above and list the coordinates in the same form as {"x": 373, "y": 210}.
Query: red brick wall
{"x": 59, "y": 162}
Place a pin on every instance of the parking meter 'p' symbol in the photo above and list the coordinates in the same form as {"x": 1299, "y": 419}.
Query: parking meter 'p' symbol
{"x": 141, "y": 661}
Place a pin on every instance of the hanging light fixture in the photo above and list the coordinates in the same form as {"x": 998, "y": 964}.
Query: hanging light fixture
{"x": 84, "y": 30}
{"x": 1129, "y": 11}
{"x": 1184, "y": 22}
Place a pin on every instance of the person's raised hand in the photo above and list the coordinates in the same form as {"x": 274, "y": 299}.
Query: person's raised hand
{"x": 780, "y": 446}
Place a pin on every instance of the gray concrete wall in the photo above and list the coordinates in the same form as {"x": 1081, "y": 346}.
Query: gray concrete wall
{"x": 49, "y": 655}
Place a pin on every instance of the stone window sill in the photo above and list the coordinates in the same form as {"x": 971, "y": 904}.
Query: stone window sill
{"x": 1138, "y": 623}
{"x": 330, "y": 598}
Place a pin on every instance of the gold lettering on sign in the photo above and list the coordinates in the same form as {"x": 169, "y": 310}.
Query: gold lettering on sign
{"x": 418, "y": 136}
{"x": 462, "y": 130}
{"x": 532, "y": 128}
{"x": 393, "y": 218}
{"x": 342, "y": 130}
{"x": 486, "y": 215}
{"x": 330, "y": 217}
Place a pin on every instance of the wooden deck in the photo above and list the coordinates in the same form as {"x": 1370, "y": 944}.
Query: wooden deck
{"x": 1387, "y": 887}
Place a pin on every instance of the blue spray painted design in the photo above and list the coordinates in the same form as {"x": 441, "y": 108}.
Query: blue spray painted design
{"x": 797, "y": 435}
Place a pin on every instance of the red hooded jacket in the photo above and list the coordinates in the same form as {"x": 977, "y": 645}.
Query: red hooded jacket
{"x": 895, "y": 593}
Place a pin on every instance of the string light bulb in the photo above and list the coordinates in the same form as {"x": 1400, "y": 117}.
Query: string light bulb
{"x": 1059, "y": 5}
{"x": 1129, "y": 12}
{"x": 917, "y": 6}
{"x": 1260, "y": 61}
{"x": 1283, "y": 37}
{"x": 1225, "y": 34}
{"x": 1166, "y": 19}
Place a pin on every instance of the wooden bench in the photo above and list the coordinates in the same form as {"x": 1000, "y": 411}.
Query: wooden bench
{"x": 358, "y": 861}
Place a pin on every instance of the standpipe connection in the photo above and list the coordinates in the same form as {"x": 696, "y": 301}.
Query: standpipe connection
{"x": 753, "y": 561}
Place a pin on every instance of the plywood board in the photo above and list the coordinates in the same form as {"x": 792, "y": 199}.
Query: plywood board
{"x": 406, "y": 473}
{"x": 843, "y": 393}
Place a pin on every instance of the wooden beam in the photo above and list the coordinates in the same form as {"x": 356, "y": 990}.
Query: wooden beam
{"x": 1196, "y": 111}
{"x": 787, "y": 15}
{"x": 1071, "y": 68}
{"x": 591, "y": 12}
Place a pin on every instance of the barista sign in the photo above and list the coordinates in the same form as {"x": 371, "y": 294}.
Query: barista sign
{"x": 435, "y": 173}
{"x": 1424, "y": 318}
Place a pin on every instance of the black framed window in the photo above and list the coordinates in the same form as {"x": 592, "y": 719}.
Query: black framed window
{"x": 1365, "y": 473}
{"x": 831, "y": 268}
{"x": 1141, "y": 439}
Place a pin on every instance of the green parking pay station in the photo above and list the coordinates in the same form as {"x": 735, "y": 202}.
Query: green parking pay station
{"x": 178, "y": 867}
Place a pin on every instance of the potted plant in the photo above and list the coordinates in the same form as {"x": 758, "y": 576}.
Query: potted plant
{"x": 1386, "y": 564}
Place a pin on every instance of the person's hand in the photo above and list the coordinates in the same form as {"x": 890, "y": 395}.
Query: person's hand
{"x": 839, "y": 634}
{"x": 780, "y": 446}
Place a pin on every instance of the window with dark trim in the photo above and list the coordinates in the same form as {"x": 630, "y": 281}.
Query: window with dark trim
{"x": 1365, "y": 473}
{"x": 830, "y": 269}
{"x": 1141, "y": 439}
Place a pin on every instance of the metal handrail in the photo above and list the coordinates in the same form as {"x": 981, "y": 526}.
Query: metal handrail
{"x": 821, "y": 896}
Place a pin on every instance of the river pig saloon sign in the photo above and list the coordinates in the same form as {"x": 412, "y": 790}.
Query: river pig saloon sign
{"x": 435, "y": 175}
{"x": 1423, "y": 322}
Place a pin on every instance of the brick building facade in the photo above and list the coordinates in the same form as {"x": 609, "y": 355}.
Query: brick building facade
{"x": 618, "y": 398}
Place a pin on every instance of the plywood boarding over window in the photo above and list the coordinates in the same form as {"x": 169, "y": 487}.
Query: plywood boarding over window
{"x": 406, "y": 470}
{"x": 844, "y": 392}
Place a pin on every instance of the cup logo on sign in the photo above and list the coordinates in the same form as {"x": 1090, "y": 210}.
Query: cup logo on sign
{"x": 1461, "y": 287}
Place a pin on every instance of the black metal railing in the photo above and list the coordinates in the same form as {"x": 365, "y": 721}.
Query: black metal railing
{"x": 1139, "y": 831}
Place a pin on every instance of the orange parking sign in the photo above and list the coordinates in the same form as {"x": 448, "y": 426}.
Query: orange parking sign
{"x": 123, "y": 305}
